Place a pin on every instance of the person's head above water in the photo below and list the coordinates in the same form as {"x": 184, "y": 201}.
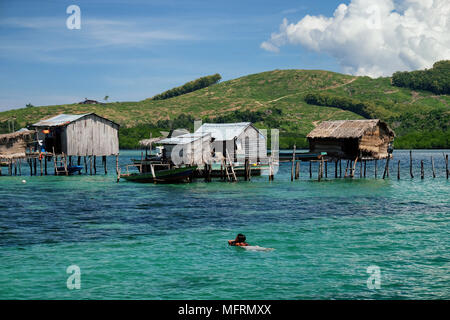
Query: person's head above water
{"x": 239, "y": 241}
{"x": 240, "y": 238}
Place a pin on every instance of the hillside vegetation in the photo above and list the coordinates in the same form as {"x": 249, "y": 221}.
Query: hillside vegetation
{"x": 436, "y": 80}
{"x": 293, "y": 101}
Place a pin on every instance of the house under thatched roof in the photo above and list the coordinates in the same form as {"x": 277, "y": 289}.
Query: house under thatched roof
{"x": 351, "y": 139}
{"x": 14, "y": 145}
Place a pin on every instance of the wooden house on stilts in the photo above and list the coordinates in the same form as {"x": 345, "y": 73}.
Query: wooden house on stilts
{"x": 83, "y": 135}
{"x": 237, "y": 141}
{"x": 352, "y": 139}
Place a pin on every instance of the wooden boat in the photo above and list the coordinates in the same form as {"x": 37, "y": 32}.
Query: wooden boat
{"x": 173, "y": 175}
{"x": 70, "y": 169}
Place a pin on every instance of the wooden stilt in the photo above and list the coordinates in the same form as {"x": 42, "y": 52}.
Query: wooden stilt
{"x": 398, "y": 170}
{"x": 79, "y": 160}
{"x": 310, "y": 169}
{"x": 20, "y": 167}
{"x": 376, "y": 167}
{"x": 70, "y": 161}
{"x": 15, "y": 167}
{"x": 85, "y": 166}
{"x": 432, "y": 167}
{"x": 35, "y": 166}
{"x": 292, "y": 165}
{"x": 41, "y": 167}
{"x": 365, "y": 165}
{"x": 446, "y": 166}
{"x": 297, "y": 170}
{"x": 45, "y": 165}
{"x": 65, "y": 164}
{"x": 117, "y": 163}
{"x": 386, "y": 168}
{"x": 90, "y": 165}
{"x": 31, "y": 167}
{"x": 104, "y": 164}
{"x": 336, "y": 169}
{"x": 95, "y": 164}
{"x": 319, "y": 171}
{"x": 360, "y": 169}
{"x": 326, "y": 169}
{"x": 346, "y": 168}
{"x": 422, "y": 173}
{"x": 410, "y": 164}
{"x": 340, "y": 168}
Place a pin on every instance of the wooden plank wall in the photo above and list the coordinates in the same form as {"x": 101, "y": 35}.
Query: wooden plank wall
{"x": 91, "y": 136}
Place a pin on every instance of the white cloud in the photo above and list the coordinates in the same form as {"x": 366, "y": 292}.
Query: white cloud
{"x": 374, "y": 38}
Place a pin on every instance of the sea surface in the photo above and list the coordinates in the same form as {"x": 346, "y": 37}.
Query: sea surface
{"x": 147, "y": 241}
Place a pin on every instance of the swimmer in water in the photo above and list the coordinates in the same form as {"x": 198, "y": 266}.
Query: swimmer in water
{"x": 239, "y": 241}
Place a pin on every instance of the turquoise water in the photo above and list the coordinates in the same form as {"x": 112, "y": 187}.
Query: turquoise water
{"x": 146, "y": 241}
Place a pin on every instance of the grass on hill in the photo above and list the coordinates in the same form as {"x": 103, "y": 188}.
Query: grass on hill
{"x": 275, "y": 99}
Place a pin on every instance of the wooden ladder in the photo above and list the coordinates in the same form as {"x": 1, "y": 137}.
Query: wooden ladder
{"x": 231, "y": 166}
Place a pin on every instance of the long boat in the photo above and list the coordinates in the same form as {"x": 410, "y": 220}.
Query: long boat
{"x": 173, "y": 175}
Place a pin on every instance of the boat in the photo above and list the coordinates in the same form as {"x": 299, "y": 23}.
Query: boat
{"x": 171, "y": 175}
{"x": 70, "y": 169}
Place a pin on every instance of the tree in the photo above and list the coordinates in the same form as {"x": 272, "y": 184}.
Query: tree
{"x": 29, "y": 105}
{"x": 106, "y": 98}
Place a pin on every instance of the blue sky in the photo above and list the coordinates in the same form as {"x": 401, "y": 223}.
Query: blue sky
{"x": 133, "y": 49}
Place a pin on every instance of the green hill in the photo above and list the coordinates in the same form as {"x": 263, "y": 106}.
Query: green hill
{"x": 277, "y": 99}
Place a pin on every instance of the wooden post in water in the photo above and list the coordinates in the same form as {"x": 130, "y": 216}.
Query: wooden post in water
{"x": 446, "y": 165}
{"x": 85, "y": 165}
{"x": 365, "y": 163}
{"x": 104, "y": 164}
{"x": 336, "y": 168}
{"x": 422, "y": 174}
{"x": 70, "y": 161}
{"x": 292, "y": 166}
{"x": 326, "y": 169}
{"x": 432, "y": 167}
{"x": 20, "y": 167}
{"x": 398, "y": 170}
{"x": 340, "y": 168}
{"x": 117, "y": 164}
{"x": 65, "y": 164}
{"x": 360, "y": 169}
{"x": 346, "y": 168}
{"x": 95, "y": 164}
{"x": 246, "y": 169}
{"x": 297, "y": 170}
{"x": 45, "y": 165}
{"x": 410, "y": 164}
{"x": 319, "y": 171}
{"x": 35, "y": 166}
{"x": 310, "y": 170}
{"x": 41, "y": 167}
{"x": 376, "y": 167}
{"x": 386, "y": 168}
{"x": 79, "y": 160}
{"x": 90, "y": 165}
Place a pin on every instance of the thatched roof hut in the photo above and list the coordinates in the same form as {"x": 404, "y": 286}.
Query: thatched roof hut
{"x": 14, "y": 145}
{"x": 351, "y": 139}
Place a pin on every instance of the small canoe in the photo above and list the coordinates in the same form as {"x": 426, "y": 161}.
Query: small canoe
{"x": 70, "y": 169}
{"x": 161, "y": 176}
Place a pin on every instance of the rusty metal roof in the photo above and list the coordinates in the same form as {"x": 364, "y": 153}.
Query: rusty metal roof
{"x": 59, "y": 120}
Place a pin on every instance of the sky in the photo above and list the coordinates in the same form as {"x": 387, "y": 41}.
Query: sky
{"x": 130, "y": 50}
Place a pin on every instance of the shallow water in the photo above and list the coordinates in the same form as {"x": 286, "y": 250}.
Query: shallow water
{"x": 146, "y": 241}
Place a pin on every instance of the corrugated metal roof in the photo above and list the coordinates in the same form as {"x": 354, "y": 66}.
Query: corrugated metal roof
{"x": 60, "y": 120}
{"x": 224, "y": 131}
{"x": 185, "y": 138}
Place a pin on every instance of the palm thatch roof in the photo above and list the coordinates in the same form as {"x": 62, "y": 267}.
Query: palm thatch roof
{"x": 23, "y": 133}
{"x": 345, "y": 129}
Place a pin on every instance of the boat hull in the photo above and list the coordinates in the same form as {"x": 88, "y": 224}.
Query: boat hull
{"x": 162, "y": 176}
